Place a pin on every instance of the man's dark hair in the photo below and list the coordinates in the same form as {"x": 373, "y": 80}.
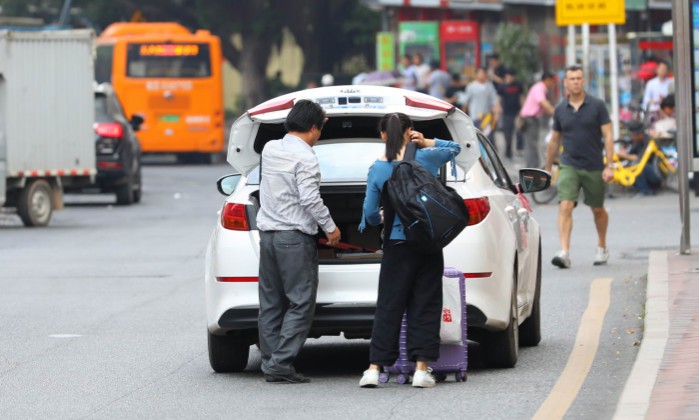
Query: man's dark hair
{"x": 511, "y": 72}
{"x": 303, "y": 116}
{"x": 547, "y": 75}
{"x": 434, "y": 64}
{"x": 668, "y": 101}
{"x": 494, "y": 56}
{"x": 574, "y": 67}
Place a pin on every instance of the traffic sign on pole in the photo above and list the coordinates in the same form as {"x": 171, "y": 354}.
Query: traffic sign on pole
{"x": 593, "y": 12}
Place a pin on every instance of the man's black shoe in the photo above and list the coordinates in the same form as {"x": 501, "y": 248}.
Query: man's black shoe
{"x": 291, "y": 378}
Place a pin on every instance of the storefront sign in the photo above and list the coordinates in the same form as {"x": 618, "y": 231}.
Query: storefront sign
{"x": 593, "y": 12}
{"x": 385, "y": 51}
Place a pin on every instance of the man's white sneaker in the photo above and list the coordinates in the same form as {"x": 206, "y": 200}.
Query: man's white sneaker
{"x": 370, "y": 379}
{"x": 423, "y": 379}
{"x": 601, "y": 256}
{"x": 562, "y": 260}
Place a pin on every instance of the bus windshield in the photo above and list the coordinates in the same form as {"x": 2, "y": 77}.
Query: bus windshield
{"x": 172, "y": 60}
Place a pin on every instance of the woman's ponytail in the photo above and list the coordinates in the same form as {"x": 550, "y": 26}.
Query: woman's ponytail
{"x": 394, "y": 125}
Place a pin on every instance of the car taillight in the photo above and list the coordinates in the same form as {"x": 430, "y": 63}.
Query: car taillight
{"x": 478, "y": 209}
{"x": 429, "y": 103}
{"x": 234, "y": 217}
{"x": 111, "y": 130}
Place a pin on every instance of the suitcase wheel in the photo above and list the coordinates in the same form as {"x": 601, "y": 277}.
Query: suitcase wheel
{"x": 383, "y": 378}
{"x": 440, "y": 377}
{"x": 460, "y": 376}
{"x": 402, "y": 379}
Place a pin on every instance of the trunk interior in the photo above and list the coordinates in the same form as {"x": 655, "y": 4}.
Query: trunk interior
{"x": 345, "y": 204}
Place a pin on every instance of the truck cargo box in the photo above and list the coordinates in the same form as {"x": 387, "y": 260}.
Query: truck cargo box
{"x": 47, "y": 103}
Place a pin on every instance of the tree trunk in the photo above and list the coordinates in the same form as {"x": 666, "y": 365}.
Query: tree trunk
{"x": 253, "y": 67}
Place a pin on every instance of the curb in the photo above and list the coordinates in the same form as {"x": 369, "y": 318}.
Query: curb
{"x": 635, "y": 398}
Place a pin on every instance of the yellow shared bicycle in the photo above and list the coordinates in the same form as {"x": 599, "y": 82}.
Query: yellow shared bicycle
{"x": 625, "y": 176}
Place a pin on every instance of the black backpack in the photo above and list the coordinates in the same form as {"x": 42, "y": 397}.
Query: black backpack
{"x": 432, "y": 214}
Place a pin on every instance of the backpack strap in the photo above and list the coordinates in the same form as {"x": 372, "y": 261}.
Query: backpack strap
{"x": 389, "y": 214}
{"x": 410, "y": 151}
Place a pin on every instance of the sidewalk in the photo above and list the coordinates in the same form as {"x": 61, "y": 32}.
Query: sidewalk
{"x": 664, "y": 382}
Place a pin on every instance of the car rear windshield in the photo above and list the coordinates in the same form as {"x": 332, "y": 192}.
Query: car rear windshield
{"x": 170, "y": 60}
{"x": 340, "y": 162}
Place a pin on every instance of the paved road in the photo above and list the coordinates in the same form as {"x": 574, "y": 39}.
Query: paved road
{"x": 102, "y": 316}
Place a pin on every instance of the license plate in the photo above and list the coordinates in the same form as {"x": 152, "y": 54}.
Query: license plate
{"x": 170, "y": 118}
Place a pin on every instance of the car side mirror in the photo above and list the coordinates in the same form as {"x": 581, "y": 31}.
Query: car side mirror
{"x": 136, "y": 121}
{"x": 533, "y": 180}
{"x": 226, "y": 184}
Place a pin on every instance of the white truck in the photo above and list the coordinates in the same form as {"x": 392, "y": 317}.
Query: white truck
{"x": 46, "y": 119}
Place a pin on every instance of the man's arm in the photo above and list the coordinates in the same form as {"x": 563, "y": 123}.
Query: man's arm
{"x": 547, "y": 107}
{"x": 308, "y": 184}
{"x": 552, "y": 149}
{"x": 608, "y": 172}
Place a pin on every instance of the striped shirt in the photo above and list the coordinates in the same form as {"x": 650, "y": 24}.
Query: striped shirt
{"x": 290, "y": 189}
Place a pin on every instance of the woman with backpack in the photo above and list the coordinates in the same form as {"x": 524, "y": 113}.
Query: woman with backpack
{"x": 410, "y": 280}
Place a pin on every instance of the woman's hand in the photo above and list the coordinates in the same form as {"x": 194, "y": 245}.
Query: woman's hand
{"x": 417, "y": 137}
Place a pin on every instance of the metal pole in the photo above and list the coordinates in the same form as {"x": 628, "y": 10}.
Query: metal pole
{"x": 685, "y": 124}
{"x": 614, "y": 79}
{"x": 586, "y": 53}
{"x": 570, "y": 51}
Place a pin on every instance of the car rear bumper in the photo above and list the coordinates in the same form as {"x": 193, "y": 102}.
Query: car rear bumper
{"x": 328, "y": 317}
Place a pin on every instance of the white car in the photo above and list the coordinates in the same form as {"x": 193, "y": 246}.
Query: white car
{"x": 499, "y": 252}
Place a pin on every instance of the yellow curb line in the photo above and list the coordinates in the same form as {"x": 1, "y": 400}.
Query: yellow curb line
{"x": 580, "y": 360}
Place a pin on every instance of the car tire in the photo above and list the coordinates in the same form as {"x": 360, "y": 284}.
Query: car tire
{"x": 139, "y": 187}
{"x": 124, "y": 193}
{"x": 501, "y": 348}
{"x": 227, "y": 354}
{"x": 35, "y": 204}
{"x": 530, "y": 329}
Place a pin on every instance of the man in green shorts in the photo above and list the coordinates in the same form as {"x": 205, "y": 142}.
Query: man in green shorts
{"x": 581, "y": 121}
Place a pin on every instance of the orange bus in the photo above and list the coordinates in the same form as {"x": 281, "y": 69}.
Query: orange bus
{"x": 172, "y": 78}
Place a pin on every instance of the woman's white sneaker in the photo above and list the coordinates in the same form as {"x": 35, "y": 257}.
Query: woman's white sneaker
{"x": 423, "y": 379}
{"x": 370, "y": 379}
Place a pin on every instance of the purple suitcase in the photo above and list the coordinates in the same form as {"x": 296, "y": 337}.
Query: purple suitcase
{"x": 452, "y": 358}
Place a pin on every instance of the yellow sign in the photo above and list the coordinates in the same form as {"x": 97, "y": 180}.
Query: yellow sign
{"x": 593, "y": 12}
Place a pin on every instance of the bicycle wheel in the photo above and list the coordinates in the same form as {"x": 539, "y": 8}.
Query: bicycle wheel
{"x": 547, "y": 195}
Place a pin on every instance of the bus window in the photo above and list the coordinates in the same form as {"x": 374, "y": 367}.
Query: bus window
{"x": 168, "y": 61}
{"x": 103, "y": 64}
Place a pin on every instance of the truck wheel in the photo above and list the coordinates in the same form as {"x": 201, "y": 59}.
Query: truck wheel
{"x": 227, "y": 354}
{"x": 124, "y": 193}
{"x": 35, "y": 205}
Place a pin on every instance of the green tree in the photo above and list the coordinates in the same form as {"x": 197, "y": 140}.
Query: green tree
{"x": 518, "y": 50}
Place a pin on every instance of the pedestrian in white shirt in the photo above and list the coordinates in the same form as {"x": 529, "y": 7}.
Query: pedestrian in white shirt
{"x": 656, "y": 89}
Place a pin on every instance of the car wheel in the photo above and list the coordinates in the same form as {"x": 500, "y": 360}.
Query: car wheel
{"x": 138, "y": 189}
{"x": 124, "y": 193}
{"x": 35, "y": 204}
{"x": 502, "y": 347}
{"x": 530, "y": 330}
{"x": 227, "y": 354}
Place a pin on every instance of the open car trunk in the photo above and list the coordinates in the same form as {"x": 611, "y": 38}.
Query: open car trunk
{"x": 345, "y": 205}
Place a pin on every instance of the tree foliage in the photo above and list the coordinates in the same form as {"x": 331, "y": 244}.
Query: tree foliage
{"x": 518, "y": 50}
{"x": 328, "y": 31}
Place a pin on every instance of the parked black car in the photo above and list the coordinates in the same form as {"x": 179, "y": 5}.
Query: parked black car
{"x": 117, "y": 148}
